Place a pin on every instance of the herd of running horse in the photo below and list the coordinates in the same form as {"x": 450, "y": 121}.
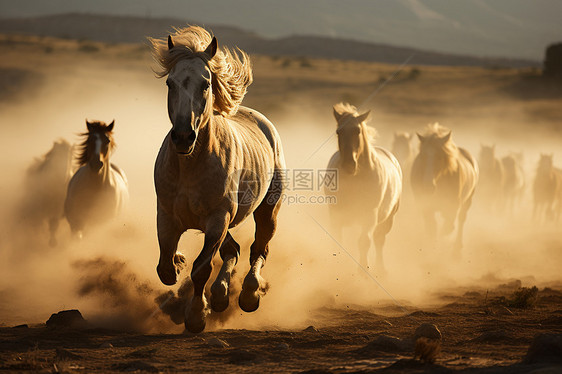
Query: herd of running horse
{"x": 218, "y": 151}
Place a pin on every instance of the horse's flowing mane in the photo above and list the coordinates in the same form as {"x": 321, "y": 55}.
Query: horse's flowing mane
{"x": 435, "y": 131}
{"x": 85, "y": 147}
{"x": 231, "y": 70}
{"x": 345, "y": 109}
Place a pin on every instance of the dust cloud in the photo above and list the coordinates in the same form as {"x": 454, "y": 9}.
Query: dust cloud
{"x": 110, "y": 276}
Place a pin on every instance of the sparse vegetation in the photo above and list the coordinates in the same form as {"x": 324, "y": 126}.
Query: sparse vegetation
{"x": 88, "y": 47}
{"x": 522, "y": 298}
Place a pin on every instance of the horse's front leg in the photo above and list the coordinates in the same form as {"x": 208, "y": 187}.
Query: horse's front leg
{"x": 170, "y": 263}
{"x": 215, "y": 232}
{"x": 265, "y": 217}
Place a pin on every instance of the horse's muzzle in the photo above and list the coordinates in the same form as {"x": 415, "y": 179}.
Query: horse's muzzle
{"x": 96, "y": 164}
{"x": 184, "y": 142}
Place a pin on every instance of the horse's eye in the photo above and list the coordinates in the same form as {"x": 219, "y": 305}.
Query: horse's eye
{"x": 168, "y": 82}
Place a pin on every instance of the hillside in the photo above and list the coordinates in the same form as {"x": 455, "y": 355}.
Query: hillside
{"x": 121, "y": 29}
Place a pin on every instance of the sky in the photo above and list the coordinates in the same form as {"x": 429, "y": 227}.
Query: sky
{"x": 494, "y": 28}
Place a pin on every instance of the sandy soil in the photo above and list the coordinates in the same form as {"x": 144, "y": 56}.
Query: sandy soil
{"x": 47, "y": 88}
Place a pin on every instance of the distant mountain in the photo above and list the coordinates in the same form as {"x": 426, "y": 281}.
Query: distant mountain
{"x": 127, "y": 29}
{"x": 488, "y": 28}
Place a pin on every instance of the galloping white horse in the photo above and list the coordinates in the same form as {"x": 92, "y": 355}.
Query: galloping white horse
{"x": 219, "y": 163}
{"x": 444, "y": 178}
{"x": 370, "y": 183}
{"x": 98, "y": 191}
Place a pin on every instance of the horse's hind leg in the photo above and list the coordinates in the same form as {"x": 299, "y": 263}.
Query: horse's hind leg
{"x": 265, "y": 217}
{"x": 229, "y": 251}
{"x": 379, "y": 238}
{"x": 461, "y": 220}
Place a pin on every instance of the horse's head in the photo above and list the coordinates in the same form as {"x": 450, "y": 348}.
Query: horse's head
{"x": 546, "y": 161}
{"x": 401, "y": 145}
{"x": 487, "y": 153}
{"x": 434, "y": 158}
{"x": 98, "y": 144}
{"x": 352, "y": 139}
{"x": 189, "y": 96}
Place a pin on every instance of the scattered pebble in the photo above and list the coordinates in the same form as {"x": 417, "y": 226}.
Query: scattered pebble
{"x": 427, "y": 330}
{"x": 427, "y": 339}
{"x": 217, "y": 343}
{"x": 282, "y": 346}
{"x": 67, "y": 319}
{"x": 310, "y": 329}
{"x": 106, "y": 345}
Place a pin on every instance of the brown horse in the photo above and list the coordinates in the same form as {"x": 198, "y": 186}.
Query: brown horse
{"x": 219, "y": 164}
{"x": 513, "y": 186}
{"x": 490, "y": 185}
{"x": 44, "y": 189}
{"x": 444, "y": 178}
{"x": 370, "y": 183}
{"x": 547, "y": 189}
{"x": 98, "y": 191}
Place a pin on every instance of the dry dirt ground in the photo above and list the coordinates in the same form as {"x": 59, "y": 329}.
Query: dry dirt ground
{"x": 48, "y": 86}
{"x": 479, "y": 335}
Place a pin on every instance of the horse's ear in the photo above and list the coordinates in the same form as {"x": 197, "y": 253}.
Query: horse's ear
{"x": 212, "y": 48}
{"x": 170, "y": 42}
{"x": 420, "y": 137}
{"x": 363, "y": 117}
{"x": 337, "y": 116}
{"x": 88, "y": 125}
{"x": 110, "y": 126}
{"x": 447, "y": 137}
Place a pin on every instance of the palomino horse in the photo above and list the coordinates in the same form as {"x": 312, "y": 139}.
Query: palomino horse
{"x": 547, "y": 189}
{"x": 444, "y": 178}
{"x": 44, "y": 189}
{"x": 98, "y": 190}
{"x": 491, "y": 181}
{"x": 219, "y": 163}
{"x": 513, "y": 183}
{"x": 370, "y": 183}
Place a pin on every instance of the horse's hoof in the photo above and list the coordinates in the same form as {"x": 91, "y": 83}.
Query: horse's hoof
{"x": 195, "y": 315}
{"x": 219, "y": 297}
{"x": 249, "y": 302}
{"x": 195, "y": 326}
{"x": 180, "y": 262}
{"x": 167, "y": 275}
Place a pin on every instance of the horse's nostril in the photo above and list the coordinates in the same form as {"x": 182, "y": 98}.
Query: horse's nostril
{"x": 191, "y": 137}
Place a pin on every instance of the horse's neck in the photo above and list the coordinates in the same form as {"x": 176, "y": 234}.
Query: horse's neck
{"x": 367, "y": 156}
{"x": 103, "y": 176}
